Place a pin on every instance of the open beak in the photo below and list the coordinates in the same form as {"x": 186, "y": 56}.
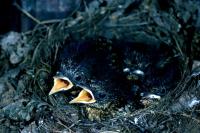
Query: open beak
{"x": 61, "y": 84}
{"x": 85, "y": 97}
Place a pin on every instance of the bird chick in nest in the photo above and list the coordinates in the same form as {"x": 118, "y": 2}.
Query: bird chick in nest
{"x": 90, "y": 67}
{"x": 154, "y": 70}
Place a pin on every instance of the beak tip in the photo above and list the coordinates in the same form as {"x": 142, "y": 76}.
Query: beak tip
{"x": 71, "y": 102}
{"x": 51, "y": 92}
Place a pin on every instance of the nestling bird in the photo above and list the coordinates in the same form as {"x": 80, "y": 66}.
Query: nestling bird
{"x": 150, "y": 69}
{"x": 93, "y": 68}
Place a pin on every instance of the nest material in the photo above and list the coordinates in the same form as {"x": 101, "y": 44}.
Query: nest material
{"x": 151, "y": 22}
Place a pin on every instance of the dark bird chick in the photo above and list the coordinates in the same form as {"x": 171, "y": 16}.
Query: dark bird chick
{"x": 90, "y": 66}
{"x": 151, "y": 69}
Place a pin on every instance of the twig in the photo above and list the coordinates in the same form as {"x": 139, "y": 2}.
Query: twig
{"x": 189, "y": 117}
{"x": 51, "y": 21}
{"x": 127, "y": 25}
{"x": 70, "y": 130}
{"x": 56, "y": 53}
{"x": 178, "y": 46}
{"x": 27, "y": 14}
{"x": 35, "y": 52}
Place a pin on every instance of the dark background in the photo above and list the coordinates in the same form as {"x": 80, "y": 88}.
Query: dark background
{"x": 9, "y": 16}
{"x": 12, "y": 19}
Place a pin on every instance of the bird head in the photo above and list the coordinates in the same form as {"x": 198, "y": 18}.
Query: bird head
{"x": 73, "y": 76}
{"x": 154, "y": 70}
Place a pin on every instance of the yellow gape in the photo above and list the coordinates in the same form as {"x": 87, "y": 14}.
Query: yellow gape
{"x": 61, "y": 84}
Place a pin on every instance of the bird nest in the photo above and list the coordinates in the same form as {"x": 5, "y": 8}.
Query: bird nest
{"x": 27, "y": 78}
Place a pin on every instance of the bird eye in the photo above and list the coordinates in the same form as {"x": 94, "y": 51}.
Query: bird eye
{"x": 78, "y": 78}
{"x": 102, "y": 95}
